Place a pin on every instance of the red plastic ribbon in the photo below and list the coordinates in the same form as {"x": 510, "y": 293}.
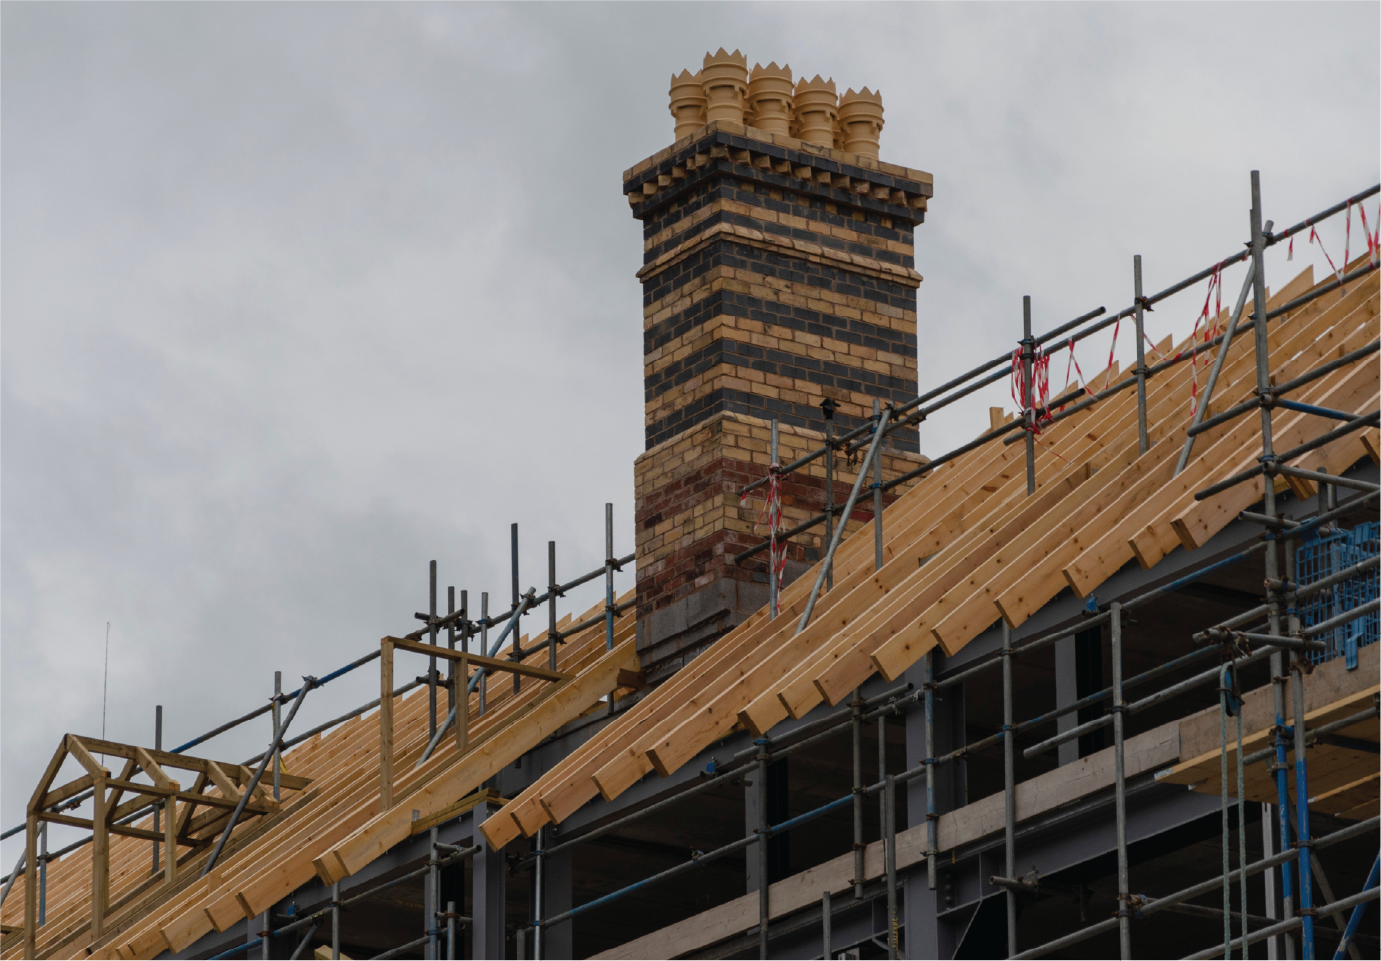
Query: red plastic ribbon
{"x": 772, "y": 511}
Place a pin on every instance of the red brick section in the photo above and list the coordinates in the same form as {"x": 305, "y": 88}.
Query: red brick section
{"x": 687, "y": 568}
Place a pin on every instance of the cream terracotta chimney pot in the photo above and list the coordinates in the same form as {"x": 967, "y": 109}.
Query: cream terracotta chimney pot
{"x": 724, "y": 80}
{"x": 687, "y": 103}
{"x": 770, "y": 97}
{"x": 860, "y": 120}
{"x": 816, "y": 109}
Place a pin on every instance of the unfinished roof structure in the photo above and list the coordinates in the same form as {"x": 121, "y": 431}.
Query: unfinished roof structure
{"x": 1114, "y": 658}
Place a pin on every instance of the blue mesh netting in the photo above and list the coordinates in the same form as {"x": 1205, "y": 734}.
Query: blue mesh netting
{"x": 1319, "y": 557}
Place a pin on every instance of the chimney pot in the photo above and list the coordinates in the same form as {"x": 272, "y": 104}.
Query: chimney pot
{"x": 816, "y": 110}
{"x": 770, "y": 98}
{"x": 724, "y": 80}
{"x": 860, "y": 122}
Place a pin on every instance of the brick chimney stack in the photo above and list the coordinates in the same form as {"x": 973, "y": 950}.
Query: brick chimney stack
{"x": 778, "y": 274}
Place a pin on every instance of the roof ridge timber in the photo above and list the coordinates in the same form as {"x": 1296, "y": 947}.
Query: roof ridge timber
{"x": 986, "y": 551}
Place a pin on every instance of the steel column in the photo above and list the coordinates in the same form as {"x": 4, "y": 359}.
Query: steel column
{"x": 1124, "y": 921}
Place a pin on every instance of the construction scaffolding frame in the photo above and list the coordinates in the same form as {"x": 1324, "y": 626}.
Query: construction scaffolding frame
{"x": 1226, "y": 641}
{"x": 1281, "y": 636}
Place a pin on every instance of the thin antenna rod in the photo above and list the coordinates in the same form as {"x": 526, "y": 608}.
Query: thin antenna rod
{"x": 105, "y": 682}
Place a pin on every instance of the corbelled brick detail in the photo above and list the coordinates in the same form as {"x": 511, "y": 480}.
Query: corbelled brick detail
{"x": 777, "y": 274}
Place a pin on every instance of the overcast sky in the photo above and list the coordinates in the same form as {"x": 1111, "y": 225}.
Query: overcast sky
{"x": 299, "y": 297}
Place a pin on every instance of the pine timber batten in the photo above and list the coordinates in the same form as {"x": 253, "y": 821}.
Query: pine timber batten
{"x": 1035, "y": 589}
{"x": 893, "y": 661}
{"x": 1163, "y": 380}
{"x": 721, "y": 709}
{"x": 1149, "y": 532}
{"x": 1170, "y": 530}
{"x": 798, "y": 694}
{"x": 1106, "y": 540}
{"x": 542, "y": 802}
{"x": 636, "y": 764}
{"x": 856, "y": 589}
{"x": 797, "y": 688}
{"x": 557, "y": 706}
{"x": 854, "y": 665}
{"x": 694, "y": 732}
{"x": 1193, "y": 524}
{"x": 902, "y": 620}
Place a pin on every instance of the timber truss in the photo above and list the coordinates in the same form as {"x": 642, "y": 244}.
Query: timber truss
{"x": 217, "y": 792}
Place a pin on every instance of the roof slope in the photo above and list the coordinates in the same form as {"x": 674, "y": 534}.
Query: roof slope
{"x": 273, "y": 855}
{"x": 986, "y": 550}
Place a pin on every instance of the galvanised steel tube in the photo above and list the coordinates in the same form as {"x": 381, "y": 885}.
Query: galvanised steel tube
{"x": 1028, "y": 351}
{"x": 772, "y": 541}
{"x": 1137, "y": 315}
{"x": 1307, "y": 378}
{"x": 1344, "y": 618}
{"x": 308, "y": 683}
{"x": 609, "y": 579}
{"x": 458, "y": 617}
{"x": 877, "y": 504}
{"x": 1352, "y": 903}
{"x": 847, "y": 512}
{"x": 1303, "y": 408}
{"x": 1152, "y": 371}
{"x": 592, "y": 621}
{"x": 1337, "y": 208}
{"x": 1321, "y": 477}
{"x": 1209, "y": 886}
{"x": 431, "y": 661}
{"x": 1091, "y": 699}
{"x": 957, "y": 452}
{"x": 475, "y": 678}
{"x": 539, "y": 895}
{"x": 1198, "y": 680}
{"x": 1202, "y": 408}
{"x": 1357, "y": 423}
{"x": 800, "y": 528}
{"x": 1354, "y": 922}
{"x": 1319, "y": 292}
